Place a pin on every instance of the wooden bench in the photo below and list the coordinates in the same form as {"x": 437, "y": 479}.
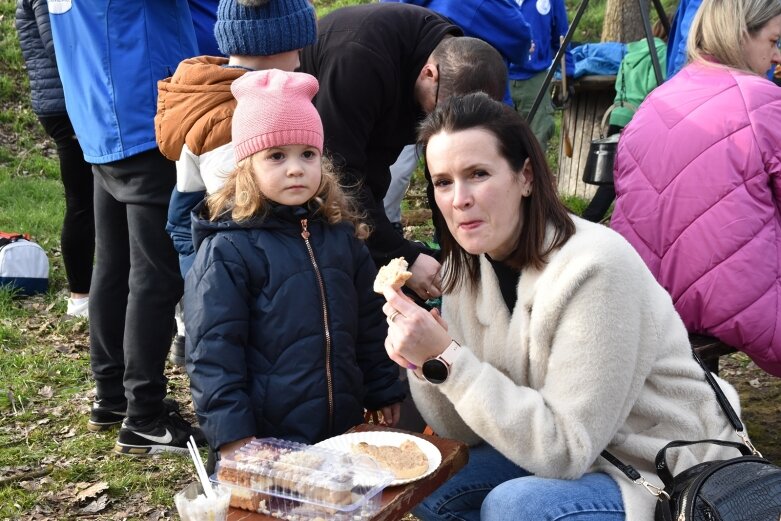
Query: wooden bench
{"x": 709, "y": 349}
{"x": 593, "y": 95}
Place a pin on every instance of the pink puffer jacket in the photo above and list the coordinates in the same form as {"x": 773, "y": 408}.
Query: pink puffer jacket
{"x": 698, "y": 178}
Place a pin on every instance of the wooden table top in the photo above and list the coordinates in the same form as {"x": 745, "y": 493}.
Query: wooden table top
{"x": 397, "y": 501}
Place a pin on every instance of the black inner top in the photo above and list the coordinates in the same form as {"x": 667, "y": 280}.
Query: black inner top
{"x": 508, "y": 282}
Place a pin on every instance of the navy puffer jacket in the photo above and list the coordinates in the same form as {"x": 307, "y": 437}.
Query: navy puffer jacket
{"x": 35, "y": 39}
{"x": 256, "y": 320}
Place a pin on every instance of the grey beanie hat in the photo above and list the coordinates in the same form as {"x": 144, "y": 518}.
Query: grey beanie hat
{"x": 264, "y": 27}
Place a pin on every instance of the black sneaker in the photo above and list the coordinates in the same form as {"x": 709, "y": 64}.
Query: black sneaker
{"x": 177, "y": 351}
{"x": 168, "y": 433}
{"x": 105, "y": 414}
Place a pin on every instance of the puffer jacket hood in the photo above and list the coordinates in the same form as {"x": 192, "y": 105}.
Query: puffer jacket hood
{"x": 698, "y": 178}
{"x": 195, "y": 106}
{"x": 636, "y": 78}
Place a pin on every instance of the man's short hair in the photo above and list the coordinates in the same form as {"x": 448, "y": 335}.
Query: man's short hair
{"x": 468, "y": 65}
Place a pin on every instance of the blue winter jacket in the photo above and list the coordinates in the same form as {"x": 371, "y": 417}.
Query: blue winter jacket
{"x": 679, "y": 32}
{"x": 548, "y": 22}
{"x": 498, "y": 22}
{"x": 35, "y": 39}
{"x": 204, "y": 13}
{"x": 259, "y": 313}
{"x": 110, "y": 56}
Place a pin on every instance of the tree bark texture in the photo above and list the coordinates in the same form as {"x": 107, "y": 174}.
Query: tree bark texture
{"x": 623, "y": 22}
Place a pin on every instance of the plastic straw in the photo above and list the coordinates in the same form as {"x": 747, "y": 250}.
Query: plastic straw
{"x": 200, "y": 469}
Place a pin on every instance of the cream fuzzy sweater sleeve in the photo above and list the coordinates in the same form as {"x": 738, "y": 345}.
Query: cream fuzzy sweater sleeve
{"x": 593, "y": 356}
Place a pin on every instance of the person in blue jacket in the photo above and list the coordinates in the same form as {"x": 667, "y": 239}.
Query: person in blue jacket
{"x": 48, "y": 102}
{"x": 548, "y": 22}
{"x": 110, "y": 57}
{"x": 285, "y": 336}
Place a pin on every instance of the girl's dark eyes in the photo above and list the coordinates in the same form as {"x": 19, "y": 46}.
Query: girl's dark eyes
{"x": 309, "y": 154}
{"x": 277, "y": 156}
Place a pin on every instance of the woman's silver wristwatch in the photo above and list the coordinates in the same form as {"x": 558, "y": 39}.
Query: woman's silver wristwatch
{"x": 437, "y": 369}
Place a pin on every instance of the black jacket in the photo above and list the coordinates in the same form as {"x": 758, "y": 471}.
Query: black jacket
{"x": 35, "y": 39}
{"x": 259, "y": 359}
{"x": 367, "y": 58}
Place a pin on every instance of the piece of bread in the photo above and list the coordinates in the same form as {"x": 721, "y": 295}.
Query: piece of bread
{"x": 406, "y": 461}
{"x": 393, "y": 274}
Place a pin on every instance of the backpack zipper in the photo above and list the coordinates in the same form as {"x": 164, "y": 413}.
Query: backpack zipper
{"x": 328, "y": 370}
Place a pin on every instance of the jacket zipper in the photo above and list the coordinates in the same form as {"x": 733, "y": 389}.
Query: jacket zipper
{"x": 326, "y": 329}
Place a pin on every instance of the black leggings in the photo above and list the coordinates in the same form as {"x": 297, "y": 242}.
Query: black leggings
{"x": 78, "y": 227}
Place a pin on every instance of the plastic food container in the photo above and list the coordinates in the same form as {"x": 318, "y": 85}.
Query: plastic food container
{"x": 193, "y": 505}
{"x": 298, "y": 482}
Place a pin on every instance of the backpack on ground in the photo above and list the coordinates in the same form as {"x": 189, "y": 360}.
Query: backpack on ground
{"x": 23, "y": 264}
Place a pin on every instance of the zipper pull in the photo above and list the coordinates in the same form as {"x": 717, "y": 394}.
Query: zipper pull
{"x": 304, "y": 231}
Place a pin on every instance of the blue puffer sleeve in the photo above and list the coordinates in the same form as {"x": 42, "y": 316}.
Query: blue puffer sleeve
{"x": 179, "y": 225}
{"x": 380, "y": 373}
{"x": 217, "y": 314}
{"x": 41, "y": 11}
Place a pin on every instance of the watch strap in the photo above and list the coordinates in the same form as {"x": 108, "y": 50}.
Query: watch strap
{"x": 449, "y": 354}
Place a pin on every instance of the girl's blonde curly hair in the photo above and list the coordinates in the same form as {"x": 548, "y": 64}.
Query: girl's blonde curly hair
{"x": 241, "y": 198}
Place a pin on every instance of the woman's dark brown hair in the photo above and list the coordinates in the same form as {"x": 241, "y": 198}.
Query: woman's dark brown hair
{"x": 516, "y": 143}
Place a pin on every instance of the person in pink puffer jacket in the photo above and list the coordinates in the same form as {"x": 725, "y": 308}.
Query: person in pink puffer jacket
{"x": 698, "y": 179}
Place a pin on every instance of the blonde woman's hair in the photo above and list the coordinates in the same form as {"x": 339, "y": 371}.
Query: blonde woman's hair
{"x": 240, "y": 198}
{"x": 720, "y": 28}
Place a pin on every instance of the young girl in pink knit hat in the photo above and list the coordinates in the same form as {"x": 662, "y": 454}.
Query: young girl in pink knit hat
{"x": 285, "y": 335}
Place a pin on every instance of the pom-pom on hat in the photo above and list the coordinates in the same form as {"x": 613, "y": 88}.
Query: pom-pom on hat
{"x": 264, "y": 27}
{"x": 274, "y": 109}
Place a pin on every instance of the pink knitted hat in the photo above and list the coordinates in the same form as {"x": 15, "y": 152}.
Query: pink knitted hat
{"x": 274, "y": 109}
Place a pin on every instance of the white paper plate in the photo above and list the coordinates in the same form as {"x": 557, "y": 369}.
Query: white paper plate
{"x": 345, "y": 442}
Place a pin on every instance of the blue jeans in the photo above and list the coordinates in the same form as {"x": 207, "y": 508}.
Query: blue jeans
{"x": 493, "y": 488}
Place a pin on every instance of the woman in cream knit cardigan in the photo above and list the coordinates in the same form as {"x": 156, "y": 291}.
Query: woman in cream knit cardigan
{"x": 555, "y": 341}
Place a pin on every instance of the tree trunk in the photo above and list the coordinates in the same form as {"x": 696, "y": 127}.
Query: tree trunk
{"x": 622, "y": 22}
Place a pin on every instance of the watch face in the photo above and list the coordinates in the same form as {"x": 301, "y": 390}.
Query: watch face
{"x": 435, "y": 371}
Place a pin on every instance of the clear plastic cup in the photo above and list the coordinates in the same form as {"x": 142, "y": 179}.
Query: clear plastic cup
{"x": 193, "y": 505}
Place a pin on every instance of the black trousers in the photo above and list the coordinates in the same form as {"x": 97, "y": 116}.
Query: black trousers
{"x": 77, "y": 240}
{"x": 135, "y": 283}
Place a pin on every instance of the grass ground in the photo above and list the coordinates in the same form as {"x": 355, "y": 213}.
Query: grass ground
{"x": 51, "y": 467}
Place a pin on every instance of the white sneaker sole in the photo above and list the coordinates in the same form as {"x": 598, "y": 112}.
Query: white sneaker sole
{"x": 147, "y": 450}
